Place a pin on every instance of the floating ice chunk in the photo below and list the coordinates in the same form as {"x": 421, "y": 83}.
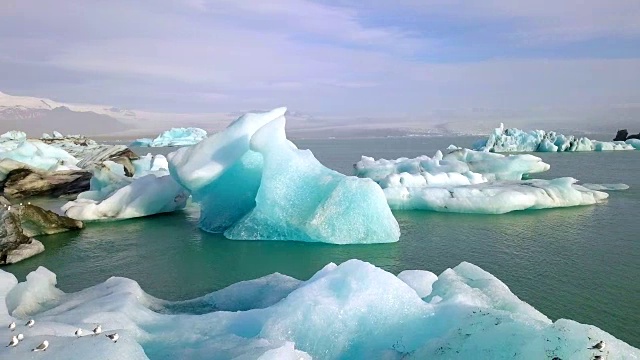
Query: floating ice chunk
{"x": 420, "y": 280}
{"x": 516, "y": 140}
{"x": 144, "y": 196}
{"x": 300, "y": 199}
{"x": 174, "y": 137}
{"x": 495, "y": 197}
{"x": 634, "y": 142}
{"x": 350, "y": 311}
{"x": 14, "y": 135}
{"x": 35, "y": 153}
{"x": 606, "y": 187}
{"x": 459, "y": 167}
{"x": 221, "y": 173}
{"x": 30, "y": 297}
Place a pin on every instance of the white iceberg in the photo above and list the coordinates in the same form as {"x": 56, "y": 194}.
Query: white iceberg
{"x": 113, "y": 196}
{"x": 299, "y": 199}
{"x": 467, "y": 181}
{"x": 350, "y": 311}
{"x": 516, "y": 140}
{"x": 173, "y": 137}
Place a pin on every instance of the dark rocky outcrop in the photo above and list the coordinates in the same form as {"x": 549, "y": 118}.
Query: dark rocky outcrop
{"x": 623, "y": 135}
{"x": 21, "y": 222}
{"x": 14, "y": 244}
{"x": 38, "y": 221}
{"x": 24, "y": 181}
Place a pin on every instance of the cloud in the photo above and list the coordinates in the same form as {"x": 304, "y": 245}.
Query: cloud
{"x": 401, "y": 58}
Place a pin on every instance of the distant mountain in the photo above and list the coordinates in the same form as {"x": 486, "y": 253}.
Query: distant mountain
{"x": 37, "y": 116}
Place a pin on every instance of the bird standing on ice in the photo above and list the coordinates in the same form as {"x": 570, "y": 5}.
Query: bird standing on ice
{"x": 20, "y": 337}
{"x": 599, "y": 346}
{"x": 114, "y": 337}
{"x": 97, "y": 330}
{"x": 12, "y": 326}
{"x": 14, "y": 341}
{"x": 78, "y": 332}
{"x": 30, "y": 323}
{"x": 42, "y": 347}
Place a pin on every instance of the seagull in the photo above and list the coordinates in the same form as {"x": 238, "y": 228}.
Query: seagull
{"x": 97, "y": 330}
{"x": 30, "y": 323}
{"x": 29, "y": 203}
{"x": 114, "y": 337}
{"x": 42, "y": 347}
{"x": 9, "y": 208}
{"x": 20, "y": 204}
{"x": 597, "y": 357}
{"x": 78, "y": 332}
{"x": 599, "y": 346}
{"x": 20, "y": 337}
{"x": 14, "y": 341}
{"x": 12, "y": 326}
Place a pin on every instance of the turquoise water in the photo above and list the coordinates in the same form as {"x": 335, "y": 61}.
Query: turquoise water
{"x": 580, "y": 263}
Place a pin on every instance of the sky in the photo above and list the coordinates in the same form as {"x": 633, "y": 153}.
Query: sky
{"x": 397, "y": 58}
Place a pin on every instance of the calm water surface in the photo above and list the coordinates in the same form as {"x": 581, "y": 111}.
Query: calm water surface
{"x": 579, "y": 263}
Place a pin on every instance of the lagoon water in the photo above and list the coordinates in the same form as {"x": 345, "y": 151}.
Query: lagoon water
{"x": 579, "y": 263}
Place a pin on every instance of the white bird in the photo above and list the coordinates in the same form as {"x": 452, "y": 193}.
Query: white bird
{"x": 20, "y": 204}
{"x": 30, "y": 323}
{"x": 42, "y": 347}
{"x": 114, "y": 337}
{"x": 20, "y": 337}
{"x": 599, "y": 346}
{"x": 97, "y": 330}
{"x": 78, "y": 332}
{"x": 12, "y": 326}
{"x": 9, "y": 208}
{"x": 14, "y": 341}
{"x": 29, "y": 203}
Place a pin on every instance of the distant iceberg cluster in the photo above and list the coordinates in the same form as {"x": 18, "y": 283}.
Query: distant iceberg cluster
{"x": 349, "y": 311}
{"x": 173, "y": 137}
{"x": 254, "y": 184}
{"x": 467, "y": 181}
{"x": 516, "y": 140}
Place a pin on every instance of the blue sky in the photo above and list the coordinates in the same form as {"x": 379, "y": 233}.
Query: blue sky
{"x": 401, "y": 58}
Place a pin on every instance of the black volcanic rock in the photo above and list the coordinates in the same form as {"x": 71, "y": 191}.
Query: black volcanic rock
{"x": 621, "y": 135}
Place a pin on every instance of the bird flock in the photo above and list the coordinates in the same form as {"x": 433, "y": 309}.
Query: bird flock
{"x": 16, "y": 339}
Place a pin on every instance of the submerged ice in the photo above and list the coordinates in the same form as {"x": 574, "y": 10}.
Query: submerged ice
{"x": 350, "y": 311}
{"x": 467, "y": 181}
{"x": 174, "y": 137}
{"x": 252, "y": 183}
{"x": 516, "y": 140}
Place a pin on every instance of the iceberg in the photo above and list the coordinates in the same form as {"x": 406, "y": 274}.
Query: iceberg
{"x": 468, "y": 181}
{"x": 114, "y": 196}
{"x": 174, "y": 137}
{"x": 15, "y": 146}
{"x": 634, "y": 142}
{"x": 222, "y": 173}
{"x": 516, "y": 140}
{"x": 254, "y": 184}
{"x": 349, "y": 311}
{"x": 300, "y": 199}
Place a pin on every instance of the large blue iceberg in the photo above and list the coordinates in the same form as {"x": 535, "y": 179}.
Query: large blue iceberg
{"x": 301, "y": 199}
{"x": 350, "y": 311}
{"x": 516, "y": 140}
{"x": 467, "y": 181}
{"x": 173, "y": 137}
{"x": 253, "y": 184}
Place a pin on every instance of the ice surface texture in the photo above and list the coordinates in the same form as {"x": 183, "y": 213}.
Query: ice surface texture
{"x": 14, "y": 145}
{"x": 174, "y": 137}
{"x": 351, "y": 311}
{"x": 115, "y": 196}
{"x": 252, "y": 183}
{"x": 516, "y": 140}
{"x": 467, "y": 181}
